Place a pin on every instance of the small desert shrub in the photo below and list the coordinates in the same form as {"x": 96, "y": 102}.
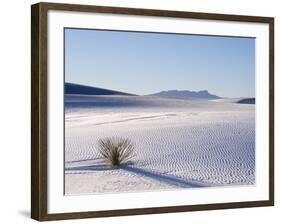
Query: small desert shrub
{"x": 116, "y": 151}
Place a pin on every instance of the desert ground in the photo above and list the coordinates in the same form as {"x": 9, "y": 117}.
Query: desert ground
{"x": 178, "y": 143}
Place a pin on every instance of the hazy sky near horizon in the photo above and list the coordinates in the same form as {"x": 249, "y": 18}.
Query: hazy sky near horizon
{"x": 146, "y": 63}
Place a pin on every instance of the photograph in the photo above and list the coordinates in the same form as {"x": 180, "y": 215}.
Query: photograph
{"x": 157, "y": 111}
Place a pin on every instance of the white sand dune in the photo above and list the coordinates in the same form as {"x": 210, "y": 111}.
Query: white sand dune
{"x": 179, "y": 143}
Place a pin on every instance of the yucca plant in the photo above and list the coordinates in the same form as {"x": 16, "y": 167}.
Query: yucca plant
{"x": 116, "y": 151}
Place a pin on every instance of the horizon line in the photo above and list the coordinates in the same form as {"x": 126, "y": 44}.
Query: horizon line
{"x": 172, "y": 89}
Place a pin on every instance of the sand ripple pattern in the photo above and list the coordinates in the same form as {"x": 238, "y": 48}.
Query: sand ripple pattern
{"x": 193, "y": 145}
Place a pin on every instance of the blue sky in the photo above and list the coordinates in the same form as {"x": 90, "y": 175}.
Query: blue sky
{"x": 145, "y": 63}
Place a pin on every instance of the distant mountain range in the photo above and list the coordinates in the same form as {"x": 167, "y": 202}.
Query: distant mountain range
{"x": 186, "y": 94}
{"x": 71, "y": 88}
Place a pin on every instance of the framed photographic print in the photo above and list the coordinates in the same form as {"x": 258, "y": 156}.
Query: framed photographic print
{"x": 141, "y": 111}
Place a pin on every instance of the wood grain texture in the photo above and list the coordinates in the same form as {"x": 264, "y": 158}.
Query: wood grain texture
{"x": 35, "y": 113}
{"x": 38, "y": 112}
{"x": 271, "y": 111}
{"x": 39, "y": 203}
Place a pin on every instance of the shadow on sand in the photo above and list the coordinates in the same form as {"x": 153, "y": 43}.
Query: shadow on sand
{"x": 99, "y": 167}
{"x": 168, "y": 179}
{"x": 164, "y": 178}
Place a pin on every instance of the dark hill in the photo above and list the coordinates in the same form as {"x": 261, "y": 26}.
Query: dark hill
{"x": 70, "y": 88}
{"x": 186, "y": 94}
{"x": 247, "y": 101}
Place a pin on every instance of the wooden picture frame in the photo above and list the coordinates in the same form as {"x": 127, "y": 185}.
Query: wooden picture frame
{"x": 39, "y": 110}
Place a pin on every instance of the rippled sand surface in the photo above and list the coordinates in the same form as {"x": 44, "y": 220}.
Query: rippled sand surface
{"x": 179, "y": 143}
